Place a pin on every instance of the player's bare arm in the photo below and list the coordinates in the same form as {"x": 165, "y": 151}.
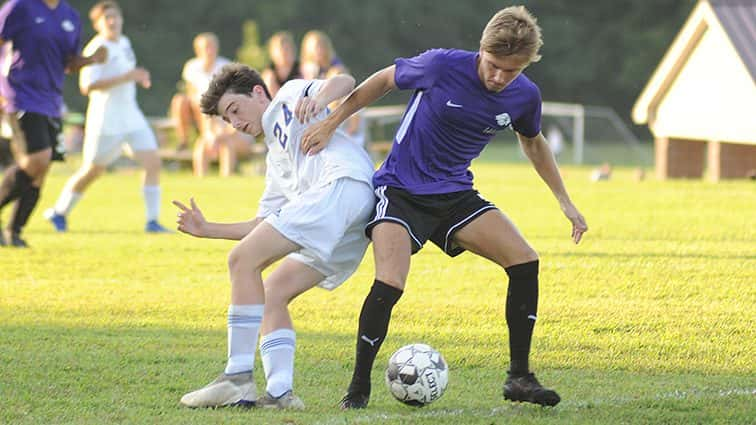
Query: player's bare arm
{"x": 140, "y": 75}
{"x": 334, "y": 88}
{"x": 75, "y": 63}
{"x": 537, "y": 150}
{"x": 191, "y": 221}
{"x": 317, "y": 136}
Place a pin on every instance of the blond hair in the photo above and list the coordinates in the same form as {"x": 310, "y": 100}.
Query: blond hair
{"x": 280, "y": 39}
{"x": 100, "y": 7}
{"x": 512, "y": 32}
{"x": 307, "y": 55}
{"x": 208, "y": 36}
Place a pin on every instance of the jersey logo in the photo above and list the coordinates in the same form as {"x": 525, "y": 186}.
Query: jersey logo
{"x": 504, "y": 119}
{"x": 67, "y": 26}
{"x": 451, "y": 104}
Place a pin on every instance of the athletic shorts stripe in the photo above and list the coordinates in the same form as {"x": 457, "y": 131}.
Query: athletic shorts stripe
{"x": 463, "y": 222}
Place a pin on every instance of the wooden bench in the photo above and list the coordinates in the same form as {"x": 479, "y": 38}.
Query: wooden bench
{"x": 184, "y": 158}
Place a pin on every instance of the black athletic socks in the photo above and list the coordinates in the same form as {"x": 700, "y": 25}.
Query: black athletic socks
{"x": 374, "y": 321}
{"x": 15, "y": 182}
{"x": 24, "y": 207}
{"x": 522, "y": 307}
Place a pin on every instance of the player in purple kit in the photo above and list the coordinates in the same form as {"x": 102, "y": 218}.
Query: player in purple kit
{"x": 424, "y": 189}
{"x": 45, "y": 37}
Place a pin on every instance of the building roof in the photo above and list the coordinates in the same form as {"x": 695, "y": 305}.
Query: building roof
{"x": 738, "y": 18}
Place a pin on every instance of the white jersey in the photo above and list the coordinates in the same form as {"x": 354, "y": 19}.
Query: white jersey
{"x": 194, "y": 73}
{"x": 113, "y": 110}
{"x": 291, "y": 172}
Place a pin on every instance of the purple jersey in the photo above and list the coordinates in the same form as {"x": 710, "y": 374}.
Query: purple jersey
{"x": 43, "y": 41}
{"x": 450, "y": 119}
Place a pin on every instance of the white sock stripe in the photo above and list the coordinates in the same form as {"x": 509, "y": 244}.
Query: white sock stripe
{"x": 277, "y": 344}
{"x": 532, "y": 317}
{"x": 244, "y": 321}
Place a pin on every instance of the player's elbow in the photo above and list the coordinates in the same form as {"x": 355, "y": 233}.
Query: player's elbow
{"x": 85, "y": 89}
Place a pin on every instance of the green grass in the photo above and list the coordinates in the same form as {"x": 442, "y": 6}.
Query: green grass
{"x": 650, "y": 320}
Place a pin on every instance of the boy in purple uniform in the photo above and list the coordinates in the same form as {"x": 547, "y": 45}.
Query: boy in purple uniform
{"x": 424, "y": 188}
{"x": 45, "y": 37}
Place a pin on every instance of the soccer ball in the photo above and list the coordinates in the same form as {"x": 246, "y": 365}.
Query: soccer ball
{"x": 417, "y": 375}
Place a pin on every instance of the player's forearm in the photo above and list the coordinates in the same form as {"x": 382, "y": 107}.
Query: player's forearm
{"x": 335, "y": 88}
{"x": 372, "y": 89}
{"x": 106, "y": 83}
{"x": 75, "y": 63}
{"x": 539, "y": 154}
{"x": 230, "y": 231}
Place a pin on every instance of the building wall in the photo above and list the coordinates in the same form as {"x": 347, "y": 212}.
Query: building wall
{"x": 713, "y": 96}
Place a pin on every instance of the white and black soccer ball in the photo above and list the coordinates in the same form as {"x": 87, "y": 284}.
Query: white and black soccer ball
{"x": 417, "y": 375}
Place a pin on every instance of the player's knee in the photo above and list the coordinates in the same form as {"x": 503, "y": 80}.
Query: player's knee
{"x": 275, "y": 296}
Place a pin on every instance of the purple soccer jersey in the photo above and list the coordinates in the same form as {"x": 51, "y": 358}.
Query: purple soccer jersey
{"x": 450, "y": 118}
{"x": 43, "y": 41}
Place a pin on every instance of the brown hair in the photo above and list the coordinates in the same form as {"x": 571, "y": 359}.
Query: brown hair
{"x": 232, "y": 78}
{"x": 512, "y": 32}
{"x": 100, "y": 7}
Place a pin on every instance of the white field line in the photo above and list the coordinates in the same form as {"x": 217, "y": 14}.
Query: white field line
{"x": 567, "y": 405}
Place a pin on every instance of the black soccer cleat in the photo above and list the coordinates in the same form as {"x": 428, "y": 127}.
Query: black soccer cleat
{"x": 527, "y": 388}
{"x": 14, "y": 239}
{"x": 354, "y": 401}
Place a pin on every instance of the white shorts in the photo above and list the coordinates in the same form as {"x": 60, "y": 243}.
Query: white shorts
{"x": 329, "y": 223}
{"x": 102, "y": 149}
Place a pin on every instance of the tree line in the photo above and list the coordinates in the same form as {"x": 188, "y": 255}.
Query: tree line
{"x": 595, "y": 52}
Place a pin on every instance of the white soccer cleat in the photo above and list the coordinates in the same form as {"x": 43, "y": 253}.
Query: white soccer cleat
{"x": 286, "y": 401}
{"x": 226, "y": 390}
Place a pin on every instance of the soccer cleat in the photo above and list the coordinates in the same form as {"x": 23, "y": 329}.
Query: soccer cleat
{"x": 354, "y": 401}
{"x": 527, "y": 388}
{"x": 225, "y": 391}
{"x": 57, "y": 220}
{"x": 14, "y": 239}
{"x": 153, "y": 226}
{"x": 286, "y": 401}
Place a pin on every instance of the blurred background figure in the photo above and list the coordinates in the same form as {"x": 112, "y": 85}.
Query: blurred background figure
{"x": 216, "y": 139}
{"x": 114, "y": 120}
{"x": 284, "y": 65}
{"x": 604, "y": 172}
{"x": 556, "y": 139}
{"x": 319, "y": 60}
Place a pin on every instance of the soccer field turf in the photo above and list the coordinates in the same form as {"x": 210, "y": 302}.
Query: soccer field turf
{"x": 649, "y": 320}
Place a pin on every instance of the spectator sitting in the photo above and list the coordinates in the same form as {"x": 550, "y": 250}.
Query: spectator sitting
{"x": 284, "y": 64}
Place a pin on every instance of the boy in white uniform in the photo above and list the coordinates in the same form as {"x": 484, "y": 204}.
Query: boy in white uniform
{"x": 312, "y": 214}
{"x": 113, "y": 119}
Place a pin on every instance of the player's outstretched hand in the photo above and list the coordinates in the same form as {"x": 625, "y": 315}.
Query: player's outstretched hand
{"x": 316, "y": 137}
{"x": 578, "y": 221}
{"x": 190, "y": 220}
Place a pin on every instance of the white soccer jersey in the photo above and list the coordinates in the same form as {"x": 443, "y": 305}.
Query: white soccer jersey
{"x": 291, "y": 172}
{"x": 194, "y": 73}
{"x": 114, "y": 110}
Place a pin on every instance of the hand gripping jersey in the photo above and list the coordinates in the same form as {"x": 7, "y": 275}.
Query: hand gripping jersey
{"x": 290, "y": 172}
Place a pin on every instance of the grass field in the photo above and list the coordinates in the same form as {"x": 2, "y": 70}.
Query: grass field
{"x": 650, "y": 320}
